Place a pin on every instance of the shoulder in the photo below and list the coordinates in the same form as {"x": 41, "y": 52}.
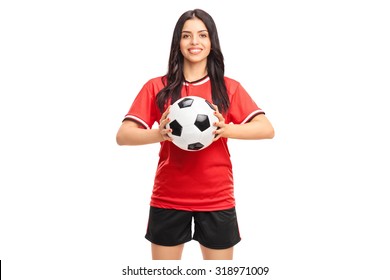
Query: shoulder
{"x": 154, "y": 85}
{"x": 230, "y": 81}
{"x": 156, "y": 81}
{"x": 231, "y": 85}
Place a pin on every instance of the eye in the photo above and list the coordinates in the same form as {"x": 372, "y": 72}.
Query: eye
{"x": 185, "y": 36}
{"x": 203, "y": 35}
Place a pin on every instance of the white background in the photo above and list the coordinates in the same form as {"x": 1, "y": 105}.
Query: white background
{"x": 312, "y": 203}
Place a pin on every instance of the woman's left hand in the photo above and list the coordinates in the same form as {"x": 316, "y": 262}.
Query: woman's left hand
{"x": 220, "y": 124}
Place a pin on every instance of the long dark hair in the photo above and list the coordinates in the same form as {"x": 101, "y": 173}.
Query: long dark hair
{"x": 174, "y": 79}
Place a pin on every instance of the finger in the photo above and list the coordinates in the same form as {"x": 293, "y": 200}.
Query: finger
{"x": 217, "y": 136}
{"x": 164, "y": 122}
{"x": 165, "y": 114}
{"x": 165, "y": 131}
{"x": 219, "y": 116}
{"x": 166, "y": 137}
{"x": 218, "y": 132}
{"x": 220, "y": 124}
{"x": 217, "y": 113}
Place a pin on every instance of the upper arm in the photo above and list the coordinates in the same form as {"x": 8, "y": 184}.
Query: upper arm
{"x": 259, "y": 118}
{"x": 124, "y": 129}
{"x": 264, "y": 125}
{"x": 131, "y": 123}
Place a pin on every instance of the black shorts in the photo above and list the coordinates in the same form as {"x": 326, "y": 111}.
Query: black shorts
{"x": 214, "y": 229}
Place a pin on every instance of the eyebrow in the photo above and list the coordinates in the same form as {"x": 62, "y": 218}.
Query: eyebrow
{"x": 184, "y": 31}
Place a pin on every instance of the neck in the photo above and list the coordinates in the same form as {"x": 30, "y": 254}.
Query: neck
{"x": 194, "y": 72}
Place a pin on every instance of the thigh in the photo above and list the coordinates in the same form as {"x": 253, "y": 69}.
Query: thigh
{"x": 168, "y": 227}
{"x": 217, "y": 254}
{"x": 217, "y": 229}
{"x": 167, "y": 252}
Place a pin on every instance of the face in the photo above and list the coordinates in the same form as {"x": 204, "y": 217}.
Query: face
{"x": 195, "y": 42}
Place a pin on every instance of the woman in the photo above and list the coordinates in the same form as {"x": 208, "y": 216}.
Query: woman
{"x": 193, "y": 185}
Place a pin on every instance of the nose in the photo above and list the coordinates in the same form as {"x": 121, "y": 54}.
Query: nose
{"x": 194, "y": 40}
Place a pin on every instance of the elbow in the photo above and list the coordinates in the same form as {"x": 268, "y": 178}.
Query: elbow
{"x": 268, "y": 133}
{"x": 119, "y": 139}
{"x": 271, "y": 133}
{"x": 265, "y": 129}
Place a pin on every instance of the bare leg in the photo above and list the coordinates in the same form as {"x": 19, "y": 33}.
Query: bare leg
{"x": 167, "y": 252}
{"x": 217, "y": 254}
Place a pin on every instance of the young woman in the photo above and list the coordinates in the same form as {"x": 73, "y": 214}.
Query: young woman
{"x": 193, "y": 185}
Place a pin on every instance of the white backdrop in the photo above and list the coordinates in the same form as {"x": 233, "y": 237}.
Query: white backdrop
{"x": 312, "y": 203}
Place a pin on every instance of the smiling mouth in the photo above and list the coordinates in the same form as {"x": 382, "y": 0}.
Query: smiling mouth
{"x": 194, "y": 51}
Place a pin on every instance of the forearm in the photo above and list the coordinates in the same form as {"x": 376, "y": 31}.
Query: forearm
{"x": 131, "y": 135}
{"x": 258, "y": 128}
{"x": 246, "y": 131}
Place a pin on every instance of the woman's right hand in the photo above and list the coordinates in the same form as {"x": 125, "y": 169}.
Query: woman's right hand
{"x": 162, "y": 126}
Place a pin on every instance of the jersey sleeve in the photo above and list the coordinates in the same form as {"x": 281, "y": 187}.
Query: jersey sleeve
{"x": 144, "y": 109}
{"x": 242, "y": 107}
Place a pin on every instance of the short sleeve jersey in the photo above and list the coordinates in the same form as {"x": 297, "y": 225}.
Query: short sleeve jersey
{"x": 193, "y": 181}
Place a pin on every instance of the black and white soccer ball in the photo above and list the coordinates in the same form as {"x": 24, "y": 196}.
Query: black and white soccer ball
{"x": 191, "y": 121}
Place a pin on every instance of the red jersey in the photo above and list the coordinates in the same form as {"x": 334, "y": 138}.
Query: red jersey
{"x": 193, "y": 181}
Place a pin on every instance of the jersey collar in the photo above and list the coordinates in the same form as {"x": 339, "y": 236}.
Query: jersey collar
{"x": 201, "y": 81}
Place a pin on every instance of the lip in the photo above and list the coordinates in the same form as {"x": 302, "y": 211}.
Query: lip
{"x": 194, "y": 50}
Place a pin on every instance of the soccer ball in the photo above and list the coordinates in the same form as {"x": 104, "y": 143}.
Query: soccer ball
{"x": 191, "y": 121}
